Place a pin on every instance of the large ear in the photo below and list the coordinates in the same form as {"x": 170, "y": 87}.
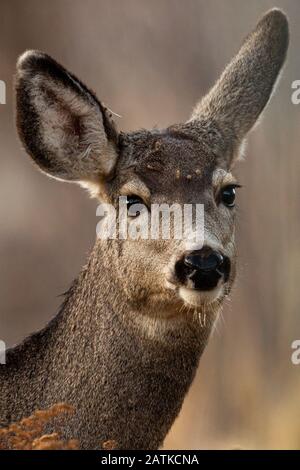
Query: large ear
{"x": 68, "y": 133}
{"x": 243, "y": 90}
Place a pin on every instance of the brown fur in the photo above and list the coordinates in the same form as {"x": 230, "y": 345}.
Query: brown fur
{"x": 126, "y": 344}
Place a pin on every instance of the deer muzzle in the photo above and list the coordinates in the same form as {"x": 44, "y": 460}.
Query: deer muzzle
{"x": 203, "y": 269}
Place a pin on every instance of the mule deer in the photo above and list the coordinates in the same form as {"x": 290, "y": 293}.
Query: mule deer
{"x": 125, "y": 346}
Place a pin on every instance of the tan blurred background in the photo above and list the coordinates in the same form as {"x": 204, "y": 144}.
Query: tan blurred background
{"x": 150, "y": 61}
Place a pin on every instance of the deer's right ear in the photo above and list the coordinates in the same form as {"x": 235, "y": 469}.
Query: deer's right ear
{"x": 68, "y": 133}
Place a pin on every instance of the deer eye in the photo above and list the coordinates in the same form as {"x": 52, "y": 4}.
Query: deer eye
{"x": 227, "y": 196}
{"x": 136, "y": 201}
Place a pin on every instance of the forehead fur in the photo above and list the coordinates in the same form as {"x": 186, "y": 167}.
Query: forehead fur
{"x": 163, "y": 158}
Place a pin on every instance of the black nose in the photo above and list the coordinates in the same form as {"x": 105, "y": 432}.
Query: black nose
{"x": 204, "y": 268}
{"x": 204, "y": 260}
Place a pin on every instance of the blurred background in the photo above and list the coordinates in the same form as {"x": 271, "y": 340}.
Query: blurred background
{"x": 150, "y": 61}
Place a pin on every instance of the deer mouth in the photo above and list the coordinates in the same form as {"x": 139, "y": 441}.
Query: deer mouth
{"x": 196, "y": 298}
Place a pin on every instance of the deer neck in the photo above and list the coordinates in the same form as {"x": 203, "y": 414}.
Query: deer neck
{"x": 97, "y": 357}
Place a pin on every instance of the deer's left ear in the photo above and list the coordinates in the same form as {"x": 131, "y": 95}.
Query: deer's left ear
{"x": 238, "y": 98}
{"x": 68, "y": 133}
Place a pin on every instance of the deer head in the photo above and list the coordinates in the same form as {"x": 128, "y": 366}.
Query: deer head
{"x": 70, "y": 135}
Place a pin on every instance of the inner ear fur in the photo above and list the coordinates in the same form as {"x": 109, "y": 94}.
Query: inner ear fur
{"x": 67, "y": 132}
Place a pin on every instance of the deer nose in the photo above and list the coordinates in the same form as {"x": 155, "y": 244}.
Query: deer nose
{"x": 205, "y": 260}
{"x": 203, "y": 268}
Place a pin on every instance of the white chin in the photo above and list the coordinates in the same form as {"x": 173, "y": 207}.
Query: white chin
{"x": 196, "y": 298}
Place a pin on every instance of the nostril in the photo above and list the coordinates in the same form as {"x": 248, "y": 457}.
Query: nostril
{"x": 204, "y": 260}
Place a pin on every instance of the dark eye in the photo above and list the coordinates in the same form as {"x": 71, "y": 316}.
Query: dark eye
{"x": 131, "y": 200}
{"x": 228, "y": 195}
